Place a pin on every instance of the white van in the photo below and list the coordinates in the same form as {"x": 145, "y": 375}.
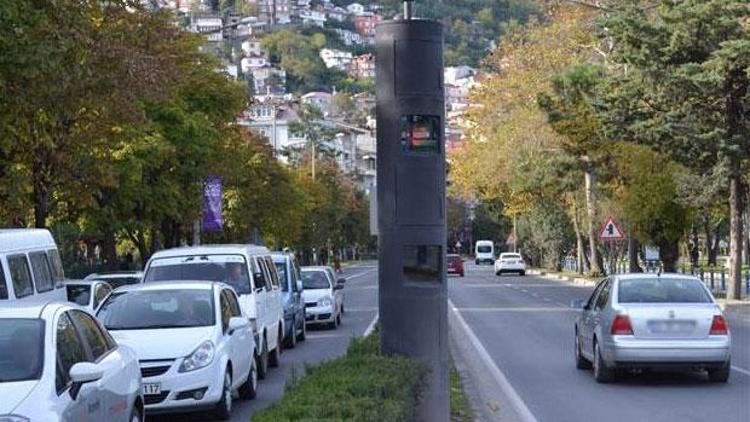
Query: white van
{"x": 484, "y": 252}
{"x": 30, "y": 265}
{"x": 260, "y": 295}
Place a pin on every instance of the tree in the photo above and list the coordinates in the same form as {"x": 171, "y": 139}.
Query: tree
{"x": 316, "y": 133}
{"x": 683, "y": 89}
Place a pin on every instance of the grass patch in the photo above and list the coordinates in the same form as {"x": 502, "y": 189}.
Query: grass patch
{"x": 461, "y": 410}
{"x": 361, "y": 385}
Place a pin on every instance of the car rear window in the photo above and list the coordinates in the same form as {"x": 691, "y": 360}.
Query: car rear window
{"x": 510, "y": 256}
{"x": 662, "y": 290}
{"x": 484, "y": 249}
{"x": 454, "y": 258}
{"x": 79, "y": 294}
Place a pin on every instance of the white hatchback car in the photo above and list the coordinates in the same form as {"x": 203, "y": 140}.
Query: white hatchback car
{"x": 195, "y": 346}
{"x": 57, "y": 363}
{"x": 87, "y": 293}
{"x": 323, "y": 296}
{"x": 510, "y": 263}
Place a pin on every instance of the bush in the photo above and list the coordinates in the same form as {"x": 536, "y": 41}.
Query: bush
{"x": 362, "y": 385}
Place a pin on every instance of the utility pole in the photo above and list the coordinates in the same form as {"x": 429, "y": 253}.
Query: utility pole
{"x": 411, "y": 202}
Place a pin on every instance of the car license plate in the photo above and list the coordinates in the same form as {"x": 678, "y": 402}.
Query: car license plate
{"x": 671, "y": 326}
{"x": 151, "y": 388}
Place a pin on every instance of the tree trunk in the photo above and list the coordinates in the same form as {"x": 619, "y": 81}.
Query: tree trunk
{"x": 41, "y": 204}
{"x": 669, "y": 253}
{"x": 633, "y": 247}
{"x": 734, "y": 288}
{"x": 580, "y": 254}
{"x": 711, "y": 241}
{"x": 109, "y": 252}
{"x": 694, "y": 246}
{"x": 590, "y": 181}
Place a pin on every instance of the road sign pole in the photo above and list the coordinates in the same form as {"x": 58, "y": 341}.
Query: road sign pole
{"x": 411, "y": 202}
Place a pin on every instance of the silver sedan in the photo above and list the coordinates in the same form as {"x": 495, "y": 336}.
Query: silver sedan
{"x": 650, "y": 321}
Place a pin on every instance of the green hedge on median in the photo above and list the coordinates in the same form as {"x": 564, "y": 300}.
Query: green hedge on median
{"x": 360, "y": 386}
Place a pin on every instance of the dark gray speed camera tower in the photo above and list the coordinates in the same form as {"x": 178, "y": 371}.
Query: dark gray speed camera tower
{"x": 411, "y": 201}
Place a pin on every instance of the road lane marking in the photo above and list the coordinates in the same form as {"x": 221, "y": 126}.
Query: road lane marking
{"x": 362, "y": 309}
{"x": 371, "y": 327}
{"x": 546, "y": 299}
{"x": 741, "y": 370}
{"x": 515, "y": 400}
{"x": 515, "y": 309}
{"x": 359, "y": 275}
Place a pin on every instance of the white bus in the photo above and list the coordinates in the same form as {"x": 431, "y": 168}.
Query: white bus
{"x": 30, "y": 265}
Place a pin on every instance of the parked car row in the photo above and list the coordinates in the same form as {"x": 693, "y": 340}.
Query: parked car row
{"x": 199, "y": 327}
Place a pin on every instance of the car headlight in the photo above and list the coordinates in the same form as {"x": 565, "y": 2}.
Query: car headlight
{"x": 200, "y": 358}
{"x": 325, "y": 301}
{"x": 13, "y": 418}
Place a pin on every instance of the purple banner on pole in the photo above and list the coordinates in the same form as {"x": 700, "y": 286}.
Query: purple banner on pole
{"x": 213, "y": 204}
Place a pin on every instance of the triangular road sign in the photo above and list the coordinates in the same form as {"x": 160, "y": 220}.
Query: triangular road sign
{"x": 611, "y": 231}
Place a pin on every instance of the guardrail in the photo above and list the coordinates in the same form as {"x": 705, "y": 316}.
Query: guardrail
{"x": 714, "y": 278}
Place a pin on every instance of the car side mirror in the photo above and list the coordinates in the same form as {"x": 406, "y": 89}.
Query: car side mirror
{"x": 236, "y": 323}
{"x": 338, "y": 287}
{"x": 341, "y": 280}
{"x": 83, "y": 373}
{"x": 578, "y": 304}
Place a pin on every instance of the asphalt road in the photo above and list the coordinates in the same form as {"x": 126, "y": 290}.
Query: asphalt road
{"x": 524, "y": 326}
{"x": 360, "y": 304}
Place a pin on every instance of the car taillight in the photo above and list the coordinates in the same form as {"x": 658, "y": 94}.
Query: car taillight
{"x": 621, "y": 326}
{"x": 719, "y": 326}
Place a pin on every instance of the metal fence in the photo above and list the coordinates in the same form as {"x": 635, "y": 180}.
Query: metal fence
{"x": 715, "y": 278}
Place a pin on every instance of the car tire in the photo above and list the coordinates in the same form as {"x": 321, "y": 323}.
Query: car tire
{"x": 338, "y": 320}
{"x": 303, "y": 333}
{"x": 522, "y": 273}
{"x": 581, "y": 362}
{"x": 137, "y": 414}
{"x": 249, "y": 389}
{"x": 476, "y": 262}
{"x": 342, "y": 309}
{"x": 498, "y": 273}
{"x": 462, "y": 274}
{"x": 275, "y": 356}
{"x": 223, "y": 409}
{"x": 602, "y": 374}
{"x": 720, "y": 374}
{"x": 262, "y": 363}
{"x": 291, "y": 342}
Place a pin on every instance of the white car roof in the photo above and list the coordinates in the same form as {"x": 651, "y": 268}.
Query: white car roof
{"x": 172, "y": 285}
{"x": 633, "y": 276}
{"x": 28, "y": 308}
{"x": 124, "y": 274}
{"x": 316, "y": 268}
{"x": 211, "y": 250}
{"x": 21, "y": 239}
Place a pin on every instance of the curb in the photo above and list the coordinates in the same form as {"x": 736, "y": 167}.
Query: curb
{"x": 571, "y": 279}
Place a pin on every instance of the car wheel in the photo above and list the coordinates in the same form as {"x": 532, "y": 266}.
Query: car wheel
{"x": 292, "y": 341}
{"x": 137, "y": 414}
{"x": 342, "y": 309}
{"x": 498, "y": 273}
{"x": 275, "y": 357}
{"x": 581, "y": 362}
{"x": 223, "y": 409}
{"x": 522, "y": 273}
{"x": 338, "y": 320}
{"x": 720, "y": 374}
{"x": 263, "y": 360}
{"x": 303, "y": 334}
{"x": 249, "y": 389}
{"x": 476, "y": 262}
{"x": 462, "y": 274}
{"x": 602, "y": 374}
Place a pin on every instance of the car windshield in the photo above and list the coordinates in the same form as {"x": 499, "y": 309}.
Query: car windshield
{"x": 484, "y": 249}
{"x": 21, "y": 349}
{"x": 662, "y": 290}
{"x": 230, "y": 269}
{"x": 315, "y": 280}
{"x": 80, "y": 294}
{"x": 116, "y": 282}
{"x": 151, "y": 309}
{"x": 281, "y": 270}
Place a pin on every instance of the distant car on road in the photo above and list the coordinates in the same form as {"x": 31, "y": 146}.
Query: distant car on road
{"x": 652, "y": 321}
{"x": 323, "y": 295}
{"x": 57, "y": 363}
{"x": 294, "y": 305}
{"x": 455, "y": 264}
{"x": 123, "y": 278}
{"x": 87, "y": 293}
{"x": 484, "y": 252}
{"x": 195, "y": 346}
{"x": 510, "y": 263}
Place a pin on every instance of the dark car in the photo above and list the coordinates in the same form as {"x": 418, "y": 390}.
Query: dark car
{"x": 294, "y": 306}
{"x": 455, "y": 264}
